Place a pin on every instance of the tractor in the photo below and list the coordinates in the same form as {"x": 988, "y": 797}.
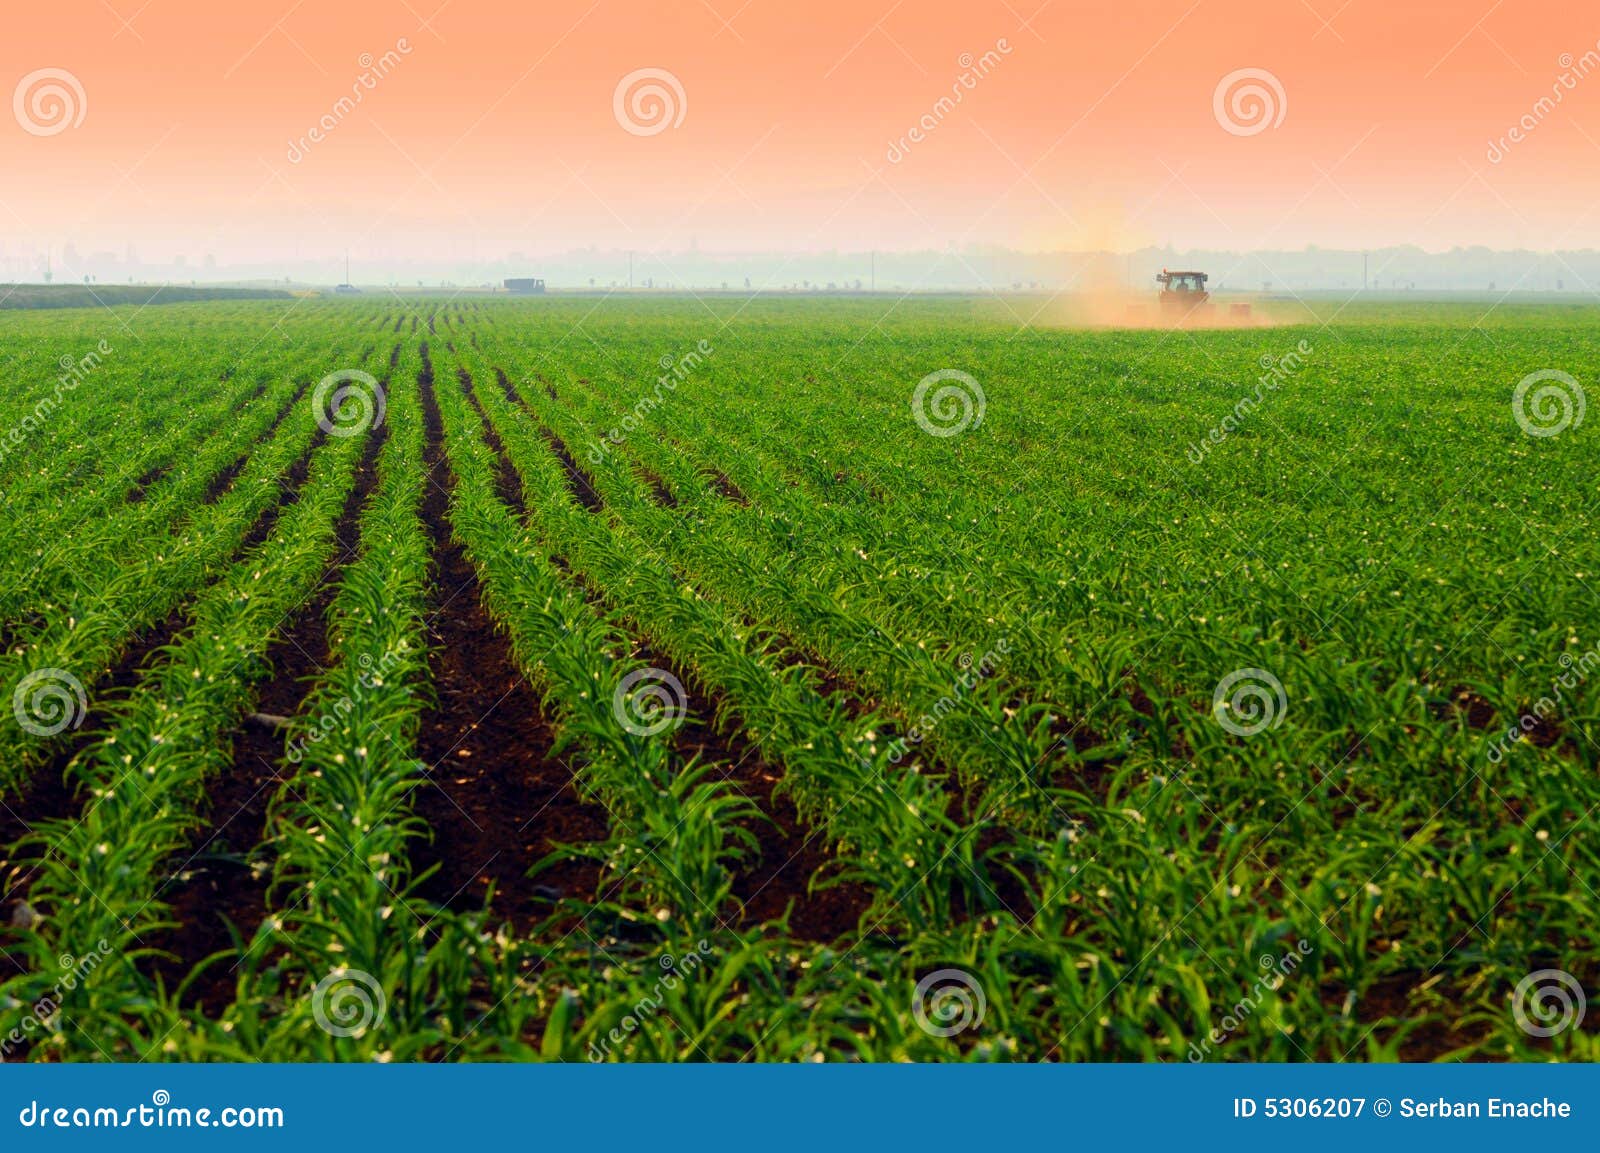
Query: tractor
{"x": 1185, "y": 290}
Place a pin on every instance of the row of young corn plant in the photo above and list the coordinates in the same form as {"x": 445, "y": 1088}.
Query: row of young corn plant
{"x": 54, "y": 671}
{"x": 94, "y": 880}
{"x": 56, "y": 425}
{"x": 46, "y": 525}
{"x": 662, "y": 925}
{"x": 107, "y": 412}
{"x": 1397, "y": 726}
{"x": 854, "y": 1002}
{"x": 350, "y": 932}
{"x": 73, "y": 552}
{"x": 890, "y": 825}
{"x": 956, "y": 702}
{"x": 1033, "y": 945}
{"x": 349, "y": 963}
{"x": 1363, "y": 815}
{"x": 678, "y": 823}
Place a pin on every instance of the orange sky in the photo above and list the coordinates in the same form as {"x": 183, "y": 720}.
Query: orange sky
{"x": 497, "y": 132}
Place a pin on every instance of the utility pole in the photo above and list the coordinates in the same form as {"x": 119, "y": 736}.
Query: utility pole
{"x": 874, "y": 270}
{"x": 1363, "y": 272}
{"x": 630, "y": 268}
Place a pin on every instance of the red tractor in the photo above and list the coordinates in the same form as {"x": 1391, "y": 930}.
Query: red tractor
{"x": 1184, "y": 290}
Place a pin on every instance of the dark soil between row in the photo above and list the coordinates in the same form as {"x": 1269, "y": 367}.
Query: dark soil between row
{"x": 498, "y": 799}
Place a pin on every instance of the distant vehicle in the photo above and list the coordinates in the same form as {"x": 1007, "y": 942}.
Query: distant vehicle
{"x": 345, "y": 289}
{"x": 1183, "y": 294}
{"x": 1185, "y": 290}
{"x": 524, "y": 284}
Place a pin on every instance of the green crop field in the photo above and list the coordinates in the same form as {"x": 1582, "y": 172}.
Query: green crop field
{"x": 648, "y": 678}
